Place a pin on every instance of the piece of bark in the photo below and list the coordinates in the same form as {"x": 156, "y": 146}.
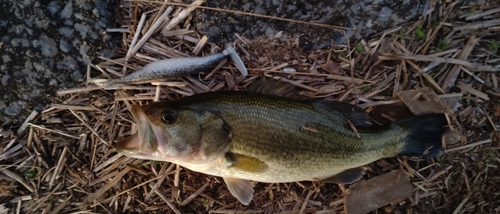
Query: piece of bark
{"x": 422, "y": 101}
{"x": 368, "y": 195}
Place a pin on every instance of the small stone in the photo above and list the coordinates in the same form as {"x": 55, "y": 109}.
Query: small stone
{"x": 52, "y": 82}
{"x": 5, "y": 79}
{"x": 83, "y": 29}
{"x": 53, "y": 7}
{"x": 15, "y": 42}
{"x": 61, "y": 78}
{"x": 385, "y": 14}
{"x": 64, "y": 46}
{"x": 270, "y": 32}
{"x": 48, "y": 46}
{"x": 77, "y": 76}
{"x": 6, "y": 58}
{"x": 25, "y": 42}
{"x": 5, "y": 39}
{"x": 83, "y": 51}
{"x": 13, "y": 109}
{"x": 18, "y": 75}
{"x": 79, "y": 16}
{"x": 68, "y": 63}
{"x": 101, "y": 6}
{"x": 68, "y": 22}
{"x": 38, "y": 67}
{"x": 36, "y": 93}
{"x": 213, "y": 31}
{"x": 259, "y": 10}
{"x": 39, "y": 107}
{"x": 369, "y": 24}
{"x": 66, "y": 32}
{"x": 18, "y": 29}
{"x": 95, "y": 12}
{"x": 67, "y": 11}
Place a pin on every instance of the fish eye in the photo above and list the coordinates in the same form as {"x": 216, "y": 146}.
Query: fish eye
{"x": 168, "y": 117}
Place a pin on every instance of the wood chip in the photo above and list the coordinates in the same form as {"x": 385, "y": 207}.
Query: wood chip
{"x": 367, "y": 195}
{"x": 422, "y": 101}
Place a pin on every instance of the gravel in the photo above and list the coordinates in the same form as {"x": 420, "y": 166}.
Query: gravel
{"x": 45, "y": 46}
{"x": 48, "y": 44}
{"x": 369, "y": 17}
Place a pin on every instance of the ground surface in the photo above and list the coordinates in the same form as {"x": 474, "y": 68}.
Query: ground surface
{"x": 65, "y": 161}
{"x": 45, "y": 46}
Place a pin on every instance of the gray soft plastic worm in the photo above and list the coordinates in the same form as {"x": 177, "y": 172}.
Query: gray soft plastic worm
{"x": 177, "y": 67}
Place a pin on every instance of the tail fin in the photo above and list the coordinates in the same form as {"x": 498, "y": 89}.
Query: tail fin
{"x": 424, "y": 134}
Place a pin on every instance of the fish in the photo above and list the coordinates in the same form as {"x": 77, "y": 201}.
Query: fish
{"x": 245, "y": 136}
{"x": 176, "y": 67}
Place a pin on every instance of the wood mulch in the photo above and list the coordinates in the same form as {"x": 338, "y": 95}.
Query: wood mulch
{"x": 62, "y": 160}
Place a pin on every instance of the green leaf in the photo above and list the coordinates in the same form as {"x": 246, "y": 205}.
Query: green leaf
{"x": 442, "y": 45}
{"x": 360, "y": 48}
{"x": 365, "y": 88}
{"x": 204, "y": 201}
{"x": 492, "y": 154}
{"x": 434, "y": 25}
{"x": 30, "y": 174}
{"x": 493, "y": 45}
{"x": 420, "y": 32}
{"x": 402, "y": 33}
{"x": 432, "y": 73}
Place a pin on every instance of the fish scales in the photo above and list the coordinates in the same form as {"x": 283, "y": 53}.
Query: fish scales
{"x": 242, "y": 136}
{"x": 272, "y": 129}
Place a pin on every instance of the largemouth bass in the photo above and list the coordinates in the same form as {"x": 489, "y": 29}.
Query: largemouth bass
{"x": 243, "y": 136}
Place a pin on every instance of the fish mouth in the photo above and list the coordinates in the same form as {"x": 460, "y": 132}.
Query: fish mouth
{"x": 143, "y": 144}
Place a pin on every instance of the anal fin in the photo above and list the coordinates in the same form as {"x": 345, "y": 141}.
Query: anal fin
{"x": 347, "y": 177}
{"x": 241, "y": 189}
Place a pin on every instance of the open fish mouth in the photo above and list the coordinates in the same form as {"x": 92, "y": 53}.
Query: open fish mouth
{"x": 143, "y": 144}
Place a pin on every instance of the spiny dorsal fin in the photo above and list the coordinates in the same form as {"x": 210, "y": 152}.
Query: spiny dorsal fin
{"x": 274, "y": 87}
{"x": 355, "y": 114}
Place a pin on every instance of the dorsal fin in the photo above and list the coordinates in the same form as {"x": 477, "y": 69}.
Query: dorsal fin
{"x": 271, "y": 86}
{"x": 355, "y": 114}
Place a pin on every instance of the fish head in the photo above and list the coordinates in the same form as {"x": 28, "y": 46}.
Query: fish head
{"x": 175, "y": 134}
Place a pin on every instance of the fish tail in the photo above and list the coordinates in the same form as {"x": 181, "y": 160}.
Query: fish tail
{"x": 228, "y": 51}
{"x": 424, "y": 136}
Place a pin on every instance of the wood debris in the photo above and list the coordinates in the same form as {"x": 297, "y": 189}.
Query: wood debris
{"x": 63, "y": 159}
{"x": 367, "y": 195}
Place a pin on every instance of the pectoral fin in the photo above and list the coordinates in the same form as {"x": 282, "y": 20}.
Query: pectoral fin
{"x": 347, "y": 177}
{"x": 241, "y": 189}
{"x": 245, "y": 163}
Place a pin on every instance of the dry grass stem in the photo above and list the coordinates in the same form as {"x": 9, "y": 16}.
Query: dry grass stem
{"x": 63, "y": 159}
